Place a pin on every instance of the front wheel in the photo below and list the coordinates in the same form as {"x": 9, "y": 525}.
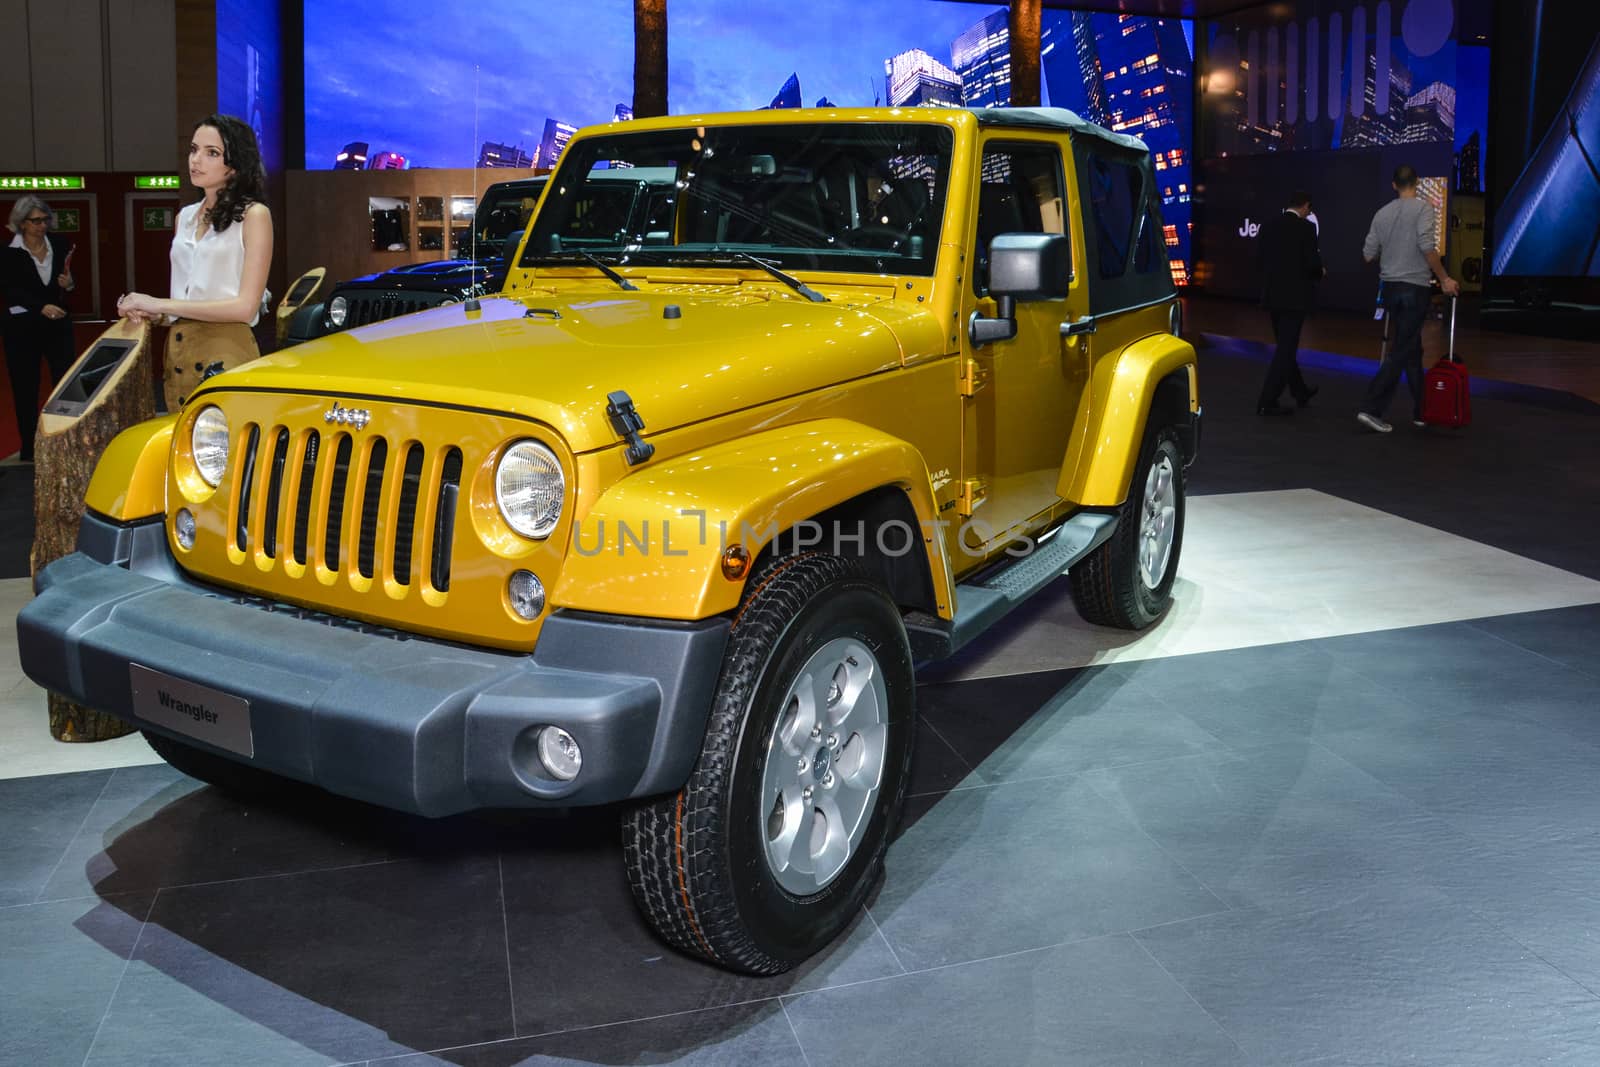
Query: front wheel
{"x": 769, "y": 851}
{"x": 1127, "y": 582}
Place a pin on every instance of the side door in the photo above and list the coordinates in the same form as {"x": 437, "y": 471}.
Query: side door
{"x": 1024, "y": 398}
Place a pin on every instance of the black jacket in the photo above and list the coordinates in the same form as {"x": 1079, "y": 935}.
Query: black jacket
{"x": 1291, "y": 264}
{"x": 19, "y": 281}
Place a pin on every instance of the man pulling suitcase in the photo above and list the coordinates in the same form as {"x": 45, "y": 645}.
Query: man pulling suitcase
{"x": 1403, "y": 239}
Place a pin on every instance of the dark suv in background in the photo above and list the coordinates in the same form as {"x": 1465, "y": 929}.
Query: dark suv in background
{"x": 502, "y": 213}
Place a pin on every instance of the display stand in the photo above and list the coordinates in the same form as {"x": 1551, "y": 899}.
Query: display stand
{"x": 109, "y": 388}
{"x": 300, "y": 293}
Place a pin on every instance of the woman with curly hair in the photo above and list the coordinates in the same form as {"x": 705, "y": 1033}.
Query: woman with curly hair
{"x": 220, "y": 256}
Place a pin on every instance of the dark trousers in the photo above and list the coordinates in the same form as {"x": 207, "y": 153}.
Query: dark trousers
{"x": 1406, "y": 306}
{"x": 1285, "y": 368}
{"x": 26, "y": 346}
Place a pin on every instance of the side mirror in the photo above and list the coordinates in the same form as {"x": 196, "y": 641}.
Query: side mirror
{"x": 1022, "y": 266}
{"x": 1029, "y": 266}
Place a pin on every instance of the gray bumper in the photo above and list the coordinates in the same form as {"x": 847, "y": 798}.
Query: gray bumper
{"x": 378, "y": 715}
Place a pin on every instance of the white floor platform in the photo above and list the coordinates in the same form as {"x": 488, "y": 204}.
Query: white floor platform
{"x": 1257, "y": 569}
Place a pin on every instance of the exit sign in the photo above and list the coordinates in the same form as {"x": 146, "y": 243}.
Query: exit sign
{"x": 48, "y": 182}
{"x": 155, "y": 181}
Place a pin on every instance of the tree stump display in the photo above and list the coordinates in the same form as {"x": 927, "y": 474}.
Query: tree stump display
{"x": 108, "y": 389}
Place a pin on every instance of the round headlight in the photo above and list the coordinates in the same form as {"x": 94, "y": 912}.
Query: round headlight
{"x": 529, "y": 487}
{"x": 337, "y": 307}
{"x": 208, "y": 442}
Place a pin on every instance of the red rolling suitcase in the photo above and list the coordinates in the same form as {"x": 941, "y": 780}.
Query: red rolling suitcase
{"x": 1446, "y": 397}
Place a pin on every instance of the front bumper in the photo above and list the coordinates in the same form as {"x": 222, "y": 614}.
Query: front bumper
{"x": 382, "y": 716}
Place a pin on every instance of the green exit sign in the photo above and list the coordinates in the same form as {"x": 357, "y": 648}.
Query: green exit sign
{"x": 46, "y": 182}
{"x": 155, "y": 181}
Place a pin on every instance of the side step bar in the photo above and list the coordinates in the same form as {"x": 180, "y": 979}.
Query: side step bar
{"x": 993, "y": 594}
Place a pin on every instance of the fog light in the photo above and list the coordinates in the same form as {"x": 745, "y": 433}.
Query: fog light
{"x": 559, "y": 753}
{"x": 183, "y": 526}
{"x": 527, "y": 594}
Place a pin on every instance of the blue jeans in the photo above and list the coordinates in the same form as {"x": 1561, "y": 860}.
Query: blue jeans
{"x": 1407, "y": 308}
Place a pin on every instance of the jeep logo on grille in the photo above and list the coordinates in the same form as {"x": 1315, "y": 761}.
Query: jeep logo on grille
{"x": 357, "y": 417}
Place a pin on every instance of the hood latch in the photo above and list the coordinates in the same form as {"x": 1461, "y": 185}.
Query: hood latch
{"x": 627, "y": 422}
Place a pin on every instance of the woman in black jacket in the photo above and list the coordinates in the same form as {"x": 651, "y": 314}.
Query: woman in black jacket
{"x": 36, "y": 276}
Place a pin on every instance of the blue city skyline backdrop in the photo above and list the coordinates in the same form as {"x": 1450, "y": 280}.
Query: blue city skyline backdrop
{"x": 723, "y": 56}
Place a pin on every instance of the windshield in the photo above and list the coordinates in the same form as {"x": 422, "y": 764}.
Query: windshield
{"x": 505, "y": 211}
{"x": 863, "y": 197}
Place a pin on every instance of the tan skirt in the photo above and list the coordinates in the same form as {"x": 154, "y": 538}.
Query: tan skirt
{"x": 193, "y": 347}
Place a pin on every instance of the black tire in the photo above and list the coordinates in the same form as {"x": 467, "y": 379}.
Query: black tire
{"x": 235, "y": 778}
{"x": 698, "y": 861}
{"x": 1109, "y": 586}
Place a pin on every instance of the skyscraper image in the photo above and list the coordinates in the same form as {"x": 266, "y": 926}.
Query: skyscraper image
{"x": 916, "y": 79}
{"x": 1132, "y": 75}
{"x": 982, "y": 59}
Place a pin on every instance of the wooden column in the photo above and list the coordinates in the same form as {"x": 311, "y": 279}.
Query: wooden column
{"x": 1024, "y": 28}
{"x": 65, "y": 452}
{"x": 650, "y": 58}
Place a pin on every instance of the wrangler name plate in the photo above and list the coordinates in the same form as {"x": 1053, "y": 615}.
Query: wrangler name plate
{"x": 197, "y": 711}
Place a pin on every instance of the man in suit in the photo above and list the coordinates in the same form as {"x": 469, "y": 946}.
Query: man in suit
{"x": 1291, "y": 266}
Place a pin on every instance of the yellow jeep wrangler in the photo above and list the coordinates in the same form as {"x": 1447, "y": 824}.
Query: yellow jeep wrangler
{"x": 670, "y": 520}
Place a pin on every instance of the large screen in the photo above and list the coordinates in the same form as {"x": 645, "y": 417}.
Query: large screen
{"x": 1545, "y": 184}
{"x": 1330, "y": 96}
{"x": 512, "y": 87}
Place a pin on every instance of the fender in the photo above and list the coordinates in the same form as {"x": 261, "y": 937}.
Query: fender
{"x": 1116, "y": 431}
{"x": 130, "y": 481}
{"x": 652, "y": 543}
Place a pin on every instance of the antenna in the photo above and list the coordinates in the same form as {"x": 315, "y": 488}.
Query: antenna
{"x": 472, "y": 300}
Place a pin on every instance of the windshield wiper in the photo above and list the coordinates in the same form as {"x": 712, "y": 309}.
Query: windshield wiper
{"x": 595, "y": 262}
{"x": 787, "y": 279}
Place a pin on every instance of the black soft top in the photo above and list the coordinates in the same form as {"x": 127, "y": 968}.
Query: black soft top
{"x": 1053, "y": 118}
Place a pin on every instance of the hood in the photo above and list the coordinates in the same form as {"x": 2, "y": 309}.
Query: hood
{"x": 554, "y": 358}
{"x": 439, "y": 275}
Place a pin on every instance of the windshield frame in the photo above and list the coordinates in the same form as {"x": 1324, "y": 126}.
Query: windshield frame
{"x": 801, "y": 205}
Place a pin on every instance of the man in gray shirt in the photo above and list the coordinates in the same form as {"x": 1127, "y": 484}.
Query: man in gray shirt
{"x": 1403, "y": 239}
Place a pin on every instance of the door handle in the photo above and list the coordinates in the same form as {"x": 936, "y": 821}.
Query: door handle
{"x": 1078, "y": 327}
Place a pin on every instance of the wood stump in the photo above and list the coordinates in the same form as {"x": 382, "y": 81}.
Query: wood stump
{"x": 94, "y": 402}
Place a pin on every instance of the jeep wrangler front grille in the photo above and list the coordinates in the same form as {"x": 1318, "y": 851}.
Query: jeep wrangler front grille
{"x": 362, "y": 487}
{"x": 368, "y": 307}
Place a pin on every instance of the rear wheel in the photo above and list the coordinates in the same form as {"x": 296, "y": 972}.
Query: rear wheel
{"x": 1127, "y": 582}
{"x": 769, "y": 851}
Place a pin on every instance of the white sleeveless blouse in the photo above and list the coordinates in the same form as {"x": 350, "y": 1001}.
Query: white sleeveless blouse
{"x": 209, "y": 267}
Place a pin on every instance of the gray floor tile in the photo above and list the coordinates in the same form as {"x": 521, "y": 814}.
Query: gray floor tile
{"x": 757, "y": 1033}
{"x": 1033, "y": 726}
{"x": 582, "y": 955}
{"x": 1455, "y": 658}
{"x": 1499, "y": 781}
{"x": 1102, "y": 1002}
{"x": 1287, "y": 827}
{"x": 1544, "y": 894}
{"x": 324, "y": 967}
{"x": 998, "y": 869}
{"x": 1307, "y": 697}
{"x": 154, "y": 827}
{"x": 1388, "y": 980}
{"x": 38, "y": 818}
{"x": 59, "y": 965}
{"x": 1566, "y": 635}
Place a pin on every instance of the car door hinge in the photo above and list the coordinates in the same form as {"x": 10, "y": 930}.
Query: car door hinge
{"x": 971, "y": 495}
{"x": 974, "y": 376}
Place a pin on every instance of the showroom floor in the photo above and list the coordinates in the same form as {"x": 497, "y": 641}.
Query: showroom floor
{"x": 1341, "y": 807}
